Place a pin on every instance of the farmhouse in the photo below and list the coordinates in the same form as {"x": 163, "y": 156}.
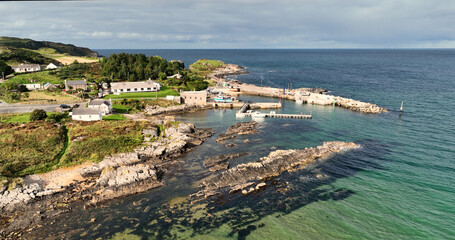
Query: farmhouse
{"x": 103, "y": 105}
{"x": 86, "y": 114}
{"x": 26, "y": 68}
{"x": 125, "y": 87}
{"x": 77, "y": 84}
{"x": 194, "y": 97}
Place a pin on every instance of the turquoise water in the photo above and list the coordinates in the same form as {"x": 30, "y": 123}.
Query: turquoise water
{"x": 399, "y": 185}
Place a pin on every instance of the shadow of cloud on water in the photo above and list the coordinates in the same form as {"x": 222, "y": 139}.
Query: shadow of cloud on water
{"x": 283, "y": 195}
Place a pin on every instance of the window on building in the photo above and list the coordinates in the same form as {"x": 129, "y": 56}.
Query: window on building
{"x": 128, "y": 89}
{"x": 142, "y": 89}
{"x": 149, "y": 89}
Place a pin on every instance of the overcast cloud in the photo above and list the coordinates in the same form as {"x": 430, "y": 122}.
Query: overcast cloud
{"x": 234, "y": 23}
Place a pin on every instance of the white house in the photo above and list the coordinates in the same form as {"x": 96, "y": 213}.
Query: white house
{"x": 51, "y": 66}
{"x": 33, "y": 86}
{"x": 26, "y": 68}
{"x": 86, "y": 114}
{"x": 103, "y": 105}
{"x": 125, "y": 87}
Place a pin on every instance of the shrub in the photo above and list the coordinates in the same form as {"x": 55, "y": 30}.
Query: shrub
{"x": 37, "y": 115}
{"x": 55, "y": 117}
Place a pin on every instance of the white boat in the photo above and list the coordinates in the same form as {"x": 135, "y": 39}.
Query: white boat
{"x": 223, "y": 99}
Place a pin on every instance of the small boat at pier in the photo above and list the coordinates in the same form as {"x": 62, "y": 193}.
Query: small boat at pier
{"x": 223, "y": 99}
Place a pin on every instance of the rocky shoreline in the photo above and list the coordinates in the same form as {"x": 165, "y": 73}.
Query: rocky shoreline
{"x": 117, "y": 175}
{"x": 252, "y": 176}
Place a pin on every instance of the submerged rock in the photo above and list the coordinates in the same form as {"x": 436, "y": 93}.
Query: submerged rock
{"x": 240, "y": 128}
{"x": 274, "y": 164}
{"x": 220, "y": 162}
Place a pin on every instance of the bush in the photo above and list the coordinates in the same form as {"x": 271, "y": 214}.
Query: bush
{"x": 55, "y": 117}
{"x": 37, "y": 115}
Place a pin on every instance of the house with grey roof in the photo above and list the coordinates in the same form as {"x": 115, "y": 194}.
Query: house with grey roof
{"x": 101, "y": 104}
{"x": 76, "y": 84}
{"x": 126, "y": 87}
{"x": 86, "y": 114}
{"x": 26, "y": 68}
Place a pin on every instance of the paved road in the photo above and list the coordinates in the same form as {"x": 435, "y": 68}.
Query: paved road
{"x": 23, "y": 108}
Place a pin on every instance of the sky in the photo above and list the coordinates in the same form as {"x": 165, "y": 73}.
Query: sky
{"x": 238, "y": 24}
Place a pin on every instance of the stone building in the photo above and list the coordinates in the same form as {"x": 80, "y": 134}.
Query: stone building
{"x": 194, "y": 97}
{"x": 76, "y": 84}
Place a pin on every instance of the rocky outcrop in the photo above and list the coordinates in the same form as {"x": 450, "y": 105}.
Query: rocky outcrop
{"x": 117, "y": 175}
{"x": 221, "y": 162}
{"x": 239, "y": 128}
{"x": 176, "y": 140}
{"x": 227, "y": 70}
{"x": 274, "y": 164}
{"x": 358, "y": 106}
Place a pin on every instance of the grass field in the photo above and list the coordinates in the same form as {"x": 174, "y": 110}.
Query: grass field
{"x": 29, "y": 148}
{"x": 115, "y": 117}
{"x": 206, "y": 65}
{"x": 92, "y": 141}
{"x": 48, "y": 97}
{"x": 64, "y": 58}
{"x": 15, "y": 118}
{"x": 37, "y": 77}
{"x": 162, "y": 93}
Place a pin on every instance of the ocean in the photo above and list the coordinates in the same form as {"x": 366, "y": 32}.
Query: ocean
{"x": 399, "y": 185}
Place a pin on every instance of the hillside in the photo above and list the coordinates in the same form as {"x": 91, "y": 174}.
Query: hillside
{"x": 36, "y": 45}
{"x": 15, "y": 56}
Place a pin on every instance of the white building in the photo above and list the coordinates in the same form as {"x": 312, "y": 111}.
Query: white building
{"x": 86, "y": 114}
{"x": 26, "y": 68}
{"x": 125, "y": 87}
{"x": 103, "y": 105}
{"x": 33, "y": 86}
{"x": 51, "y": 66}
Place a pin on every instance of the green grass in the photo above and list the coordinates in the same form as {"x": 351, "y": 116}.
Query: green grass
{"x": 29, "y": 148}
{"x": 92, "y": 141}
{"x": 15, "y": 118}
{"x": 206, "y": 65}
{"x": 162, "y": 93}
{"x": 115, "y": 117}
{"x": 38, "y": 77}
{"x": 50, "y": 53}
{"x": 119, "y": 108}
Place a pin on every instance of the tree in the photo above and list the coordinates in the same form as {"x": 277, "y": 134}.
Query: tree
{"x": 5, "y": 69}
{"x": 37, "y": 115}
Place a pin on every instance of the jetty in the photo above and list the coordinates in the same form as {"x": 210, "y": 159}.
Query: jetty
{"x": 246, "y": 112}
{"x": 259, "y": 105}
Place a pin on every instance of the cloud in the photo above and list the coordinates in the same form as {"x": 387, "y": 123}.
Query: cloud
{"x": 235, "y": 23}
{"x": 128, "y": 35}
{"x": 94, "y": 35}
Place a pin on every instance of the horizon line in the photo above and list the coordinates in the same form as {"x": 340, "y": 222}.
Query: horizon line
{"x": 372, "y": 48}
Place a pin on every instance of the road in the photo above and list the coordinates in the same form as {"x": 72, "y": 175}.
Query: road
{"x": 23, "y": 108}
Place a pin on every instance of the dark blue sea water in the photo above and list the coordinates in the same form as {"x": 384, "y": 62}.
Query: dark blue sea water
{"x": 400, "y": 185}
